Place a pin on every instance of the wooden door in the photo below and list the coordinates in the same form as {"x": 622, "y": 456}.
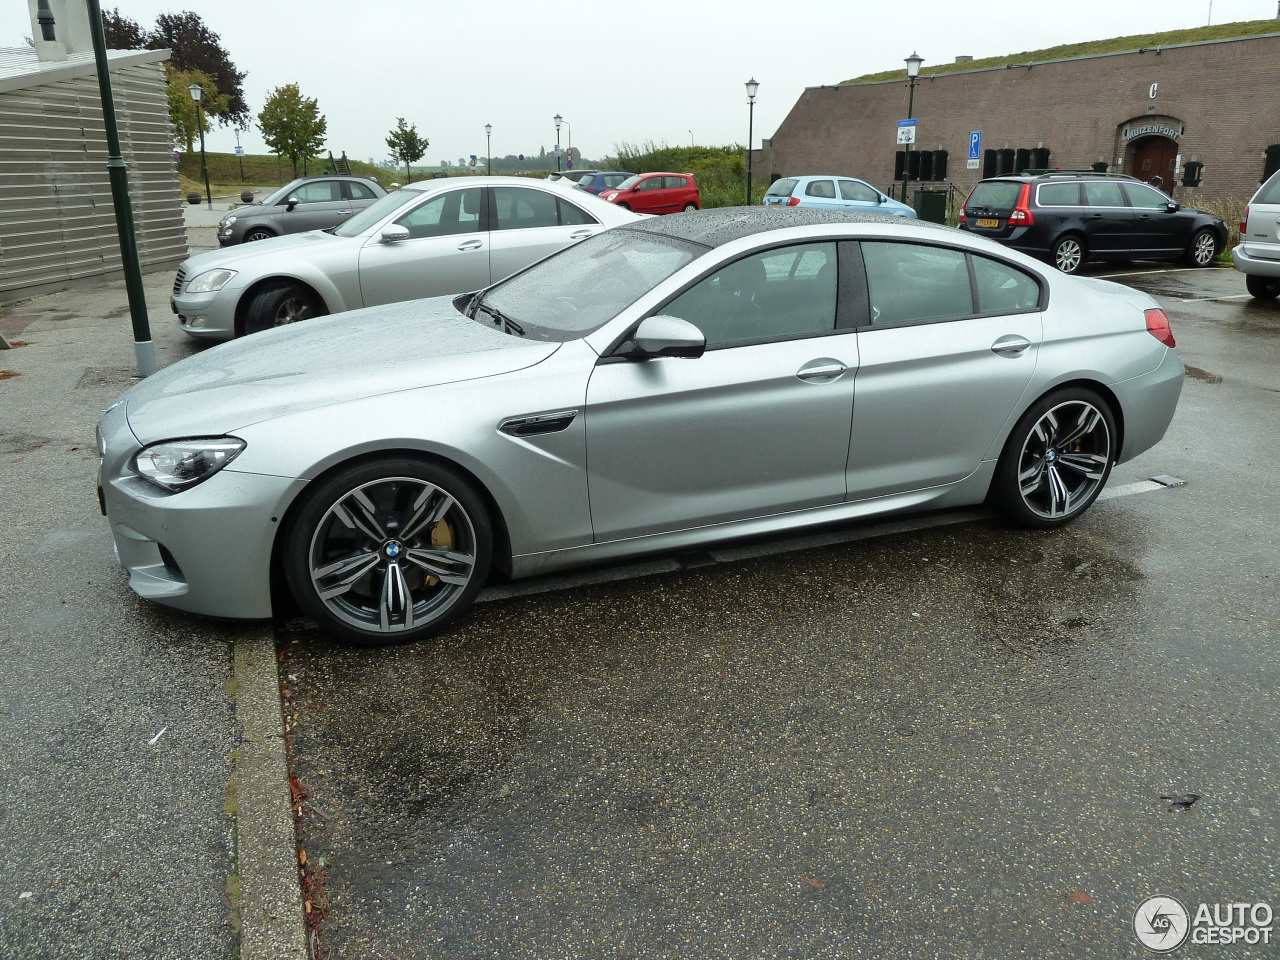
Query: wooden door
{"x": 1153, "y": 161}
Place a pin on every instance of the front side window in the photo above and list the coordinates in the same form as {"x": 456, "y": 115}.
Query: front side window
{"x": 1105, "y": 193}
{"x": 318, "y": 191}
{"x": 630, "y": 182}
{"x": 372, "y": 214}
{"x": 519, "y": 208}
{"x": 822, "y": 189}
{"x": 1146, "y": 198}
{"x": 913, "y": 283}
{"x": 457, "y": 211}
{"x": 783, "y": 293}
{"x": 1002, "y": 288}
{"x": 856, "y": 190}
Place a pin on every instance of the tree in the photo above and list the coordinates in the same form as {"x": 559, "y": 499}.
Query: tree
{"x": 292, "y": 125}
{"x": 406, "y": 146}
{"x": 182, "y": 109}
{"x": 196, "y": 47}
{"x": 121, "y": 32}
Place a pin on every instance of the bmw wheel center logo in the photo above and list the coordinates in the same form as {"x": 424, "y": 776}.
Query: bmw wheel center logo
{"x": 392, "y": 549}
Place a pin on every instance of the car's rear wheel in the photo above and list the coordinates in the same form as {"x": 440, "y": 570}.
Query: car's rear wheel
{"x": 689, "y": 206}
{"x": 1264, "y": 288}
{"x": 1204, "y": 247}
{"x": 389, "y": 551}
{"x": 1068, "y": 254}
{"x": 1057, "y": 459}
{"x": 258, "y": 233}
{"x": 280, "y": 304}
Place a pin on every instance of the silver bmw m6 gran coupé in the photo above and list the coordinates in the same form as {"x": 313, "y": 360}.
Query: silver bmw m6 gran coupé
{"x": 662, "y": 384}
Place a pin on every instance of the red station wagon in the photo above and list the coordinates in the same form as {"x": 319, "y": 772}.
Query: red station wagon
{"x": 656, "y": 193}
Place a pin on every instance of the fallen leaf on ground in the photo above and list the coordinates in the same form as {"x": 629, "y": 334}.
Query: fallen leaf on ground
{"x": 1080, "y": 897}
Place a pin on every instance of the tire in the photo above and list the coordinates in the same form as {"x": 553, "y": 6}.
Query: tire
{"x": 1203, "y": 248}
{"x": 257, "y": 233}
{"x": 365, "y": 559}
{"x": 625, "y": 206}
{"x": 1068, "y": 253}
{"x": 1057, "y": 459}
{"x": 281, "y": 304}
{"x": 688, "y": 207}
{"x": 1263, "y": 288}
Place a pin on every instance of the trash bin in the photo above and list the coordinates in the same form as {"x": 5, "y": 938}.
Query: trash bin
{"x": 931, "y": 205}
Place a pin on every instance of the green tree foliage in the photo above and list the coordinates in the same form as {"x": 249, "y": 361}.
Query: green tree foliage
{"x": 292, "y": 125}
{"x": 182, "y": 109}
{"x": 196, "y": 47}
{"x": 406, "y": 146}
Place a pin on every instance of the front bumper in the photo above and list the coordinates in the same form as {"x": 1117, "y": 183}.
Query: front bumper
{"x": 205, "y": 550}
{"x": 1254, "y": 266}
{"x": 207, "y": 315}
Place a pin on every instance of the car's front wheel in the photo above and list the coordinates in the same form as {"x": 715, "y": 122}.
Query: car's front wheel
{"x": 1068, "y": 254}
{"x": 258, "y": 233}
{"x": 388, "y": 551}
{"x": 1204, "y": 247}
{"x": 282, "y": 303}
{"x": 625, "y": 206}
{"x": 1263, "y": 288}
{"x": 1057, "y": 459}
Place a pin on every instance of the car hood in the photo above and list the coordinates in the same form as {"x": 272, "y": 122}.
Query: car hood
{"x": 301, "y": 244}
{"x": 326, "y": 360}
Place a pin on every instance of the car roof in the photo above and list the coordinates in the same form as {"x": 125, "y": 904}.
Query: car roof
{"x": 1028, "y": 176}
{"x": 722, "y": 225}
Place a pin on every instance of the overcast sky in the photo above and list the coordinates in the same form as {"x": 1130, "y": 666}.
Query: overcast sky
{"x": 665, "y": 72}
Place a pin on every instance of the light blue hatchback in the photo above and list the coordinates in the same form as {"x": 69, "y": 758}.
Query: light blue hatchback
{"x": 833, "y": 193}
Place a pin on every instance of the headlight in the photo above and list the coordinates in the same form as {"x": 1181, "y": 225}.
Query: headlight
{"x": 610, "y": 195}
{"x": 226, "y": 222}
{"x": 210, "y": 280}
{"x": 179, "y": 464}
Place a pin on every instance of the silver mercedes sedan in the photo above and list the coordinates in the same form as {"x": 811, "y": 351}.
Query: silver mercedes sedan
{"x": 662, "y": 385}
{"x": 428, "y": 239}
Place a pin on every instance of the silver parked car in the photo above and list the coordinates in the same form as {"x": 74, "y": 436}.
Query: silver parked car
{"x": 665, "y": 384}
{"x": 308, "y": 203}
{"x": 1258, "y": 254}
{"x": 428, "y": 239}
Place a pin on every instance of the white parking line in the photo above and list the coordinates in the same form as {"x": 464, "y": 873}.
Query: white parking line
{"x": 1143, "y": 273}
{"x": 750, "y": 551}
{"x": 1231, "y": 296}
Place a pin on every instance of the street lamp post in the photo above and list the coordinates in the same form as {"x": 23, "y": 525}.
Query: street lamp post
{"x": 752, "y": 87}
{"x": 559, "y": 120}
{"x": 196, "y": 95}
{"x": 488, "y": 148}
{"x": 691, "y": 140}
{"x": 913, "y": 71}
{"x": 240, "y": 154}
{"x": 568, "y": 149}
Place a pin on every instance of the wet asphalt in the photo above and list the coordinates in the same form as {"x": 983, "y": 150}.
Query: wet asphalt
{"x": 948, "y": 742}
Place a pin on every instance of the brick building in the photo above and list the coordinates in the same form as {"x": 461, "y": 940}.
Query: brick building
{"x": 1143, "y": 112}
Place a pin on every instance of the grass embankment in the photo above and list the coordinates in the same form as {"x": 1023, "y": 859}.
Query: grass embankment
{"x": 1224, "y": 31}
{"x": 721, "y": 172}
{"x": 264, "y": 169}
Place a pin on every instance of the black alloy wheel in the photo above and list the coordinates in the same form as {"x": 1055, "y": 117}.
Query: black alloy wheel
{"x": 280, "y": 304}
{"x": 388, "y": 551}
{"x": 1204, "y": 247}
{"x": 1057, "y": 459}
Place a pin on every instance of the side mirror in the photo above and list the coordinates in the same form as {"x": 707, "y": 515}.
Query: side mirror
{"x": 291, "y": 203}
{"x": 663, "y": 336}
{"x": 881, "y": 198}
{"x": 1172, "y": 207}
{"x": 394, "y": 233}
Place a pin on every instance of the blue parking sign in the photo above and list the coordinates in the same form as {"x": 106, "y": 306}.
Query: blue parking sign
{"x": 975, "y": 144}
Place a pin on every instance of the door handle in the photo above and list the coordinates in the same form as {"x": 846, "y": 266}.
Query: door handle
{"x": 581, "y": 234}
{"x": 471, "y": 245}
{"x": 822, "y": 370}
{"x": 1010, "y": 345}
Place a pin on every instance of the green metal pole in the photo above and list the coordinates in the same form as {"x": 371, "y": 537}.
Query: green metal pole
{"x": 204, "y": 167}
{"x": 143, "y": 348}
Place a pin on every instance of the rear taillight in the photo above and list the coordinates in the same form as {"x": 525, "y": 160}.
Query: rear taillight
{"x": 1158, "y": 326}
{"x": 965, "y": 204}
{"x": 1244, "y": 222}
{"x": 1022, "y": 210}
{"x": 793, "y": 202}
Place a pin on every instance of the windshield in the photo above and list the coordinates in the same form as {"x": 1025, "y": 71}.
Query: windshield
{"x": 583, "y": 287}
{"x": 278, "y": 196}
{"x": 782, "y": 188}
{"x": 628, "y": 183}
{"x": 371, "y": 214}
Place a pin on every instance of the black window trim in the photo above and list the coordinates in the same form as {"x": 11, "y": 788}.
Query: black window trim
{"x": 1042, "y": 304}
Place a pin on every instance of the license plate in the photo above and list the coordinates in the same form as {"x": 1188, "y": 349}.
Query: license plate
{"x": 987, "y": 222}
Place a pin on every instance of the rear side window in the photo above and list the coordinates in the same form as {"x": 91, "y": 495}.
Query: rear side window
{"x": 911, "y": 282}
{"x": 615, "y": 179}
{"x": 1105, "y": 193}
{"x": 1002, "y": 288}
{"x": 853, "y": 190}
{"x": 571, "y": 215}
{"x": 675, "y": 183}
{"x": 994, "y": 195}
{"x": 1269, "y": 192}
{"x": 360, "y": 192}
{"x": 519, "y": 207}
{"x": 782, "y": 188}
{"x": 1059, "y": 195}
{"x": 822, "y": 189}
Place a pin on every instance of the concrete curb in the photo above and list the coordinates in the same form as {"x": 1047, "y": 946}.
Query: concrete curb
{"x": 272, "y": 923}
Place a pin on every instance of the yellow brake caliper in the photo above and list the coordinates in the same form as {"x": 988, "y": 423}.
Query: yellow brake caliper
{"x": 441, "y": 539}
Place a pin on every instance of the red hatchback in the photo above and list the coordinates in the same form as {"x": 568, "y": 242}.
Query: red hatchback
{"x": 656, "y": 193}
